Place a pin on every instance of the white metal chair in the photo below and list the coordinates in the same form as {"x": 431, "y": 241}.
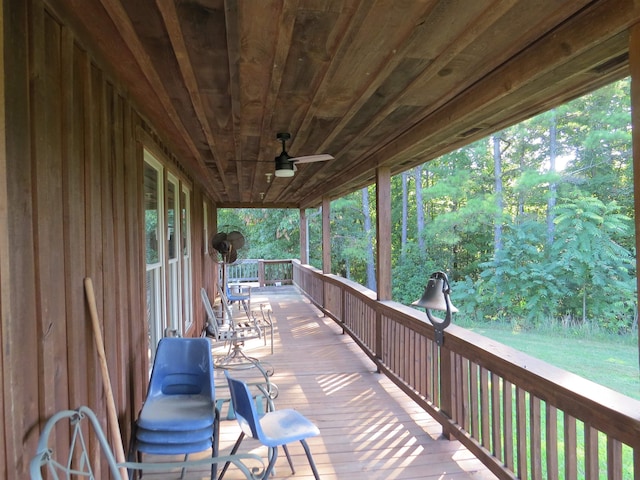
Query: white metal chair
{"x": 74, "y": 460}
{"x": 264, "y": 325}
{"x": 233, "y": 331}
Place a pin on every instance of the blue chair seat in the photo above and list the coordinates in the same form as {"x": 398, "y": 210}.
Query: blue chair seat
{"x": 285, "y": 426}
{"x": 173, "y": 437}
{"x": 177, "y": 449}
{"x": 177, "y": 413}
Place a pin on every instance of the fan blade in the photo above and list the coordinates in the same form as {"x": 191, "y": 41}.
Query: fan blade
{"x": 219, "y": 242}
{"x": 323, "y": 157}
{"x": 236, "y": 239}
{"x": 231, "y": 257}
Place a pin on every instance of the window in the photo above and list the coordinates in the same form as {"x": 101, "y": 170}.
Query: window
{"x": 173, "y": 239}
{"x": 185, "y": 229}
{"x": 154, "y": 242}
{"x": 169, "y": 291}
{"x": 205, "y": 223}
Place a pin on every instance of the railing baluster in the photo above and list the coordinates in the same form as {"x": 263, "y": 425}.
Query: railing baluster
{"x": 475, "y": 410}
{"x": 552, "y": 442}
{"x": 485, "y": 409}
{"x": 570, "y": 448}
{"x": 614, "y": 459}
{"x": 446, "y": 384}
{"x": 496, "y": 419}
{"x": 591, "y": 460}
{"x": 521, "y": 433}
{"x": 535, "y": 438}
{"x": 507, "y": 429}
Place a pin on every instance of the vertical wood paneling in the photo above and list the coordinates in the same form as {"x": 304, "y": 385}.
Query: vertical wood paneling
{"x": 48, "y": 227}
{"x": 19, "y": 342}
{"x": 4, "y": 245}
{"x": 119, "y": 251}
{"x": 107, "y": 303}
{"x": 138, "y": 360}
{"x": 93, "y": 224}
{"x": 72, "y": 208}
{"x": 78, "y": 335}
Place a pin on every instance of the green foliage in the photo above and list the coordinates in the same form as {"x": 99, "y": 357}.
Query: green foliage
{"x": 593, "y": 262}
{"x": 271, "y": 234}
{"x": 410, "y": 274}
{"x": 554, "y": 245}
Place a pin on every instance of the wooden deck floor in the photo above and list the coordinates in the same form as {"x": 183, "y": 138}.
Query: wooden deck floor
{"x": 369, "y": 429}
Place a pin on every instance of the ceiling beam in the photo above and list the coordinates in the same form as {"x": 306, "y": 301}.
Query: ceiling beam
{"x": 172, "y": 24}
{"x": 122, "y": 22}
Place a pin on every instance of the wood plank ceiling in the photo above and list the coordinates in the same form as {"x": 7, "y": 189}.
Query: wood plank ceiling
{"x": 374, "y": 83}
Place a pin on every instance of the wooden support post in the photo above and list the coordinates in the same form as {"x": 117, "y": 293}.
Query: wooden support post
{"x": 304, "y": 240}
{"x": 383, "y": 232}
{"x": 634, "y": 67}
{"x": 326, "y": 235}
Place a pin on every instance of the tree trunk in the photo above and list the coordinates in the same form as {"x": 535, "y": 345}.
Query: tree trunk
{"x": 403, "y": 240}
{"x": 371, "y": 271}
{"x": 551, "y": 202}
{"x": 419, "y": 207}
{"x": 497, "y": 174}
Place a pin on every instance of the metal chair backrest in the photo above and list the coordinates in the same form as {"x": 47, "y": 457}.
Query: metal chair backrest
{"x": 74, "y": 460}
{"x": 212, "y": 320}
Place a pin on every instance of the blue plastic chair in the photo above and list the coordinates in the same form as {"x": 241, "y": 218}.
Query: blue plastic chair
{"x": 273, "y": 429}
{"x": 244, "y": 299}
{"x": 179, "y": 416}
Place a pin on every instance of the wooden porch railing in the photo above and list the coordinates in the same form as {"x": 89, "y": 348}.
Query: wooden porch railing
{"x": 521, "y": 417}
{"x": 264, "y": 272}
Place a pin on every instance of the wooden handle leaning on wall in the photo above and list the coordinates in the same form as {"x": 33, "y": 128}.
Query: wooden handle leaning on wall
{"x": 112, "y": 415}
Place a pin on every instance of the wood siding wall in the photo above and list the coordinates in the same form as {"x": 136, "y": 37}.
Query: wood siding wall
{"x": 70, "y": 208}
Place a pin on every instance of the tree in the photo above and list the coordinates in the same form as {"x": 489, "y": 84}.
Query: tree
{"x": 366, "y": 212}
{"x": 592, "y": 261}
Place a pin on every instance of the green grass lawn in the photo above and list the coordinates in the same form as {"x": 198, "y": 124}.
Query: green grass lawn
{"x": 611, "y": 361}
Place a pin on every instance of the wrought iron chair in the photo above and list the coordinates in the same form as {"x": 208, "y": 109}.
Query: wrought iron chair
{"x": 179, "y": 414}
{"x": 273, "y": 429}
{"x": 229, "y": 330}
{"x": 214, "y": 329}
{"x": 74, "y": 460}
{"x": 252, "y": 321}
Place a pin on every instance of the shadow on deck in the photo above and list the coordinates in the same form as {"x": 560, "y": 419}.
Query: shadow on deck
{"x": 369, "y": 429}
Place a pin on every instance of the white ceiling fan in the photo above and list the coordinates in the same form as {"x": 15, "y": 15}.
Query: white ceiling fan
{"x": 286, "y": 164}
